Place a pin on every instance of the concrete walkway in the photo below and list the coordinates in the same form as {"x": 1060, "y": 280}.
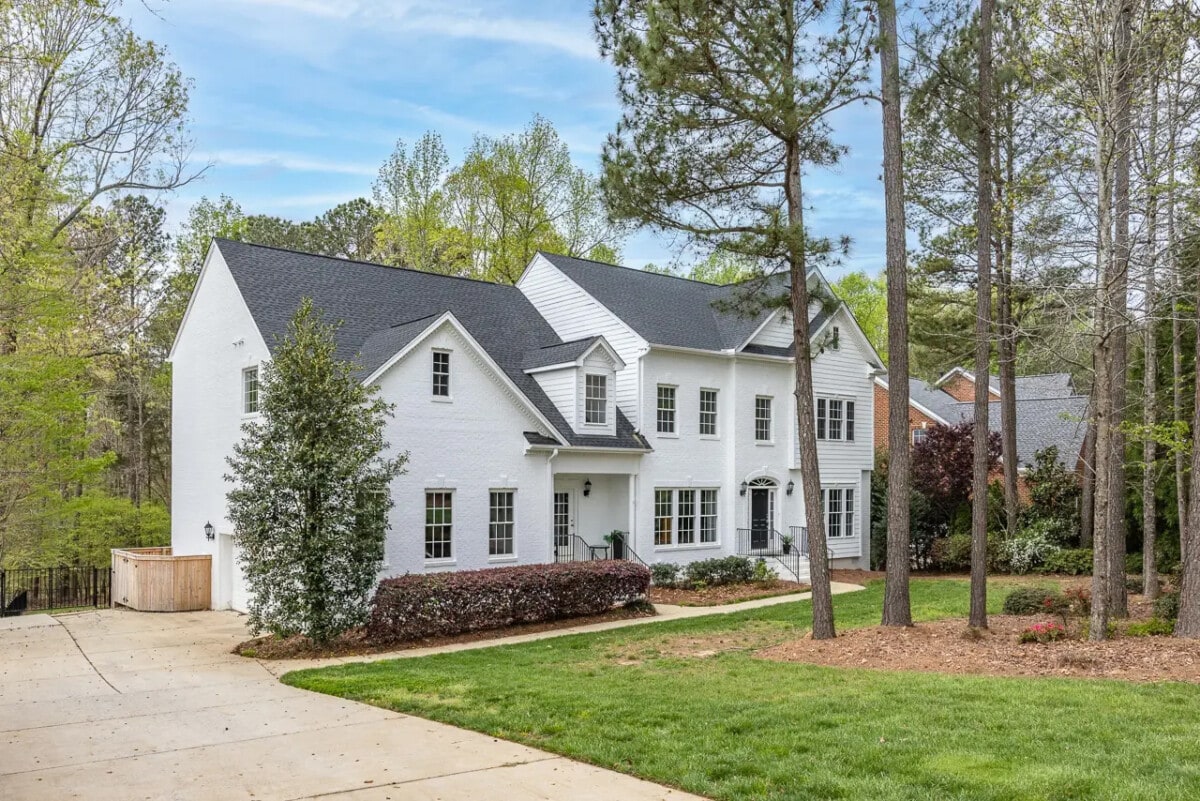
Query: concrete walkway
{"x": 123, "y": 705}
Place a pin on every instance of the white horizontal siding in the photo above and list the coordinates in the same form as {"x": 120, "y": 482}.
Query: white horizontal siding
{"x": 560, "y": 387}
{"x": 574, "y": 314}
{"x": 776, "y": 333}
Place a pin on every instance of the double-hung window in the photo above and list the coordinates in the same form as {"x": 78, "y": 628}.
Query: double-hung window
{"x": 439, "y": 524}
{"x": 835, "y": 419}
{"x": 918, "y": 435}
{"x": 762, "y": 419}
{"x": 250, "y": 404}
{"x": 685, "y": 516}
{"x": 839, "y": 511}
{"x": 500, "y": 523}
{"x": 441, "y": 374}
{"x": 595, "y": 399}
{"x": 708, "y": 412}
{"x": 666, "y": 409}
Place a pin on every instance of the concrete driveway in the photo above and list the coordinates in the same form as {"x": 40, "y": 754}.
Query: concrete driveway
{"x": 125, "y": 705}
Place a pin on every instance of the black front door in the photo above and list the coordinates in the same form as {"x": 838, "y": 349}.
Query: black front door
{"x": 760, "y": 519}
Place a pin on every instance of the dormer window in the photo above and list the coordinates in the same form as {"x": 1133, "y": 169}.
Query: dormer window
{"x": 595, "y": 400}
{"x": 441, "y": 374}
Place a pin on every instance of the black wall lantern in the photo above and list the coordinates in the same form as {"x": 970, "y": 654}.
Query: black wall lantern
{"x": 791, "y": 487}
{"x": 587, "y": 487}
{"x": 210, "y": 533}
{"x": 744, "y": 485}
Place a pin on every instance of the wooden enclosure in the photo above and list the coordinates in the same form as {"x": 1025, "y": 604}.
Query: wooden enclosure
{"x": 154, "y": 580}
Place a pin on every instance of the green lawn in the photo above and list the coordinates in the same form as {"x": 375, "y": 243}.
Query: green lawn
{"x": 643, "y": 701}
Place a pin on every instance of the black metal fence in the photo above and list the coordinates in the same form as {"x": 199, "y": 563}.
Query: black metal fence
{"x": 42, "y": 588}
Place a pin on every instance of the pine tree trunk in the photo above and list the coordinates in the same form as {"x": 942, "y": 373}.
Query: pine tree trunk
{"x": 1118, "y": 597}
{"x": 983, "y": 326}
{"x": 1087, "y": 500}
{"x": 1177, "y": 291}
{"x": 897, "y": 606}
{"x": 1188, "y": 624}
{"x": 1150, "y": 374}
{"x": 810, "y": 473}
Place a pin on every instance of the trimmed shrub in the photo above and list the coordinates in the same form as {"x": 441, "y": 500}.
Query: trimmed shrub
{"x": 1043, "y": 632}
{"x": 727, "y": 570}
{"x": 1154, "y": 627}
{"x": 952, "y": 554}
{"x": 1031, "y": 547}
{"x": 1166, "y": 606}
{"x": 415, "y": 606}
{"x": 1031, "y": 601}
{"x": 1069, "y": 562}
{"x": 664, "y": 574}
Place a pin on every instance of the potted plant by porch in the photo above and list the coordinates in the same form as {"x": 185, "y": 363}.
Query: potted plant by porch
{"x": 786, "y": 540}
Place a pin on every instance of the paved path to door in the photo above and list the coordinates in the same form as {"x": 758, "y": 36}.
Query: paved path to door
{"x": 124, "y": 705}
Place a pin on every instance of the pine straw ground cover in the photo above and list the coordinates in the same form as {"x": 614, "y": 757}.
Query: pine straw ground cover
{"x": 689, "y": 703}
{"x": 724, "y": 593}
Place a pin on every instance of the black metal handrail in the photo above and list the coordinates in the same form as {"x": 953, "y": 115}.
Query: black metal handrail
{"x": 577, "y": 549}
{"x": 43, "y": 588}
{"x": 789, "y": 551}
{"x": 800, "y": 536}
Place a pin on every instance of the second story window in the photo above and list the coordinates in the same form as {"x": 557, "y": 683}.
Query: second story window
{"x": 250, "y": 404}
{"x": 441, "y": 374}
{"x": 666, "y": 409}
{"x": 595, "y": 399}
{"x": 835, "y": 419}
{"x": 708, "y": 412}
{"x": 762, "y": 419}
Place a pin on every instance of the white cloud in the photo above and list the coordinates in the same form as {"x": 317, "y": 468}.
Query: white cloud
{"x": 284, "y": 161}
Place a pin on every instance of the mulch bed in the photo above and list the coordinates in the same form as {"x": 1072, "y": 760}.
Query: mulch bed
{"x": 724, "y": 593}
{"x": 948, "y": 646}
{"x": 355, "y": 642}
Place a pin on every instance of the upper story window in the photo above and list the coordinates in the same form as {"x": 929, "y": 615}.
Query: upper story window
{"x": 250, "y": 404}
{"x": 708, "y": 412}
{"x": 666, "y": 409}
{"x": 839, "y": 511}
{"x": 595, "y": 399}
{"x": 441, "y": 373}
{"x": 836, "y": 339}
{"x": 762, "y": 419}
{"x": 835, "y": 419}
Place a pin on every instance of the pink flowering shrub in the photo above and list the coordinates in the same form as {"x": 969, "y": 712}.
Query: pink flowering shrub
{"x": 1043, "y": 632}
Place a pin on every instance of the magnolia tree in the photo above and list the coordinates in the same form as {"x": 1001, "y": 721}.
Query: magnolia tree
{"x": 311, "y": 495}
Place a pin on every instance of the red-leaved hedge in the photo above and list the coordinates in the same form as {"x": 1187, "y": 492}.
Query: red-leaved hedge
{"x": 416, "y": 606}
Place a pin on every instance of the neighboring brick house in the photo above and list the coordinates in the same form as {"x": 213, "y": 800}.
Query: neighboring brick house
{"x": 1049, "y": 412}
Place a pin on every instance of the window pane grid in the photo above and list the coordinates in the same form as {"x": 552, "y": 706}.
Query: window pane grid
{"x": 441, "y": 374}
{"x": 562, "y": 519}
{"x": 708, "y": 412}
{"x": 708, "y": 515}
{"x": 595, "y": 401}
{"x": 663, "y": 517}
{"x": 250, "y": 390}
{"x": 680, "y": 513}
{"x": 687, "y": 517}
{"x": 439, "y": 525}
{"x": 848, "y": 516}
{"x": 666, "y": 410}
{"x": 835, "y": 419}
{"x": 500, "y": 526}
{"x": 762, "y": 419}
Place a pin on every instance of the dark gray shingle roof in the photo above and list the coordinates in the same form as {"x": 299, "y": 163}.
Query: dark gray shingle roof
{"x": 667, "y": 309}
{"x": 1047, "y": 385}
{"x": 558, "y": 354}
{"x": 383, "y": 308}
{"x": 1042, "y": 422}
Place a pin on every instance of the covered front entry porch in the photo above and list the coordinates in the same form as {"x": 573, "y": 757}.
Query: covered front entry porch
{"x": 592, "y": 516}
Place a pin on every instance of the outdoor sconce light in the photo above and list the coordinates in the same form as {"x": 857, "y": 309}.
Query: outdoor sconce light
{"x": 791, "y": 487}
{"x": 743, "y": 488}
{"x": 210, "y": 533}
{"x": 587, "y": 487}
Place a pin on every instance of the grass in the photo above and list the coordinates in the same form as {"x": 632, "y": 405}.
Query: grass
{"x": 647, "y": 701}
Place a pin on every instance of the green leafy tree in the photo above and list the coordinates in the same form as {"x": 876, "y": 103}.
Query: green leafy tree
{"x": 312, "y": 488}
{"x": 1054, "y": 495}
{"x": 867, "y": 298}
{"x": 723, "y": 110}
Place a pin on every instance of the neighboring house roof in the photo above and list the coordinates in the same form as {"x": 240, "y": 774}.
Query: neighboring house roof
{"x": 1046, "y": 385}
{"x": 669, "y": 310}
{"x": 381, "y": 309}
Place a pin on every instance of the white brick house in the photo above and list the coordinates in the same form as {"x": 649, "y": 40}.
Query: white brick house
{"x": 539, "y": 418}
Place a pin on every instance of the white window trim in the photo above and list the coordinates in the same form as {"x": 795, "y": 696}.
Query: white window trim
{"x": 674, "y": 433}
{"x": 507, "y": 557}
{"x": 770, "y": 421}
{"x": 438, "y": 561}
{"x": 854, "y": 522}
{"x": 449, "y": 396}
{"x": 716, "y": 412}
{"x": 674, "y": 544}
{"x": 257, "y": 369}
{"x": 843, "y": 399}
{"x": 607, "y": 401}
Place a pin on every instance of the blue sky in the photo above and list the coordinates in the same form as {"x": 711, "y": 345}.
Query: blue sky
{"x": 297, "y": 102}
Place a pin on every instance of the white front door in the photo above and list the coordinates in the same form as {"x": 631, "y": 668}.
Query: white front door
{"x": 563, "y": 524}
